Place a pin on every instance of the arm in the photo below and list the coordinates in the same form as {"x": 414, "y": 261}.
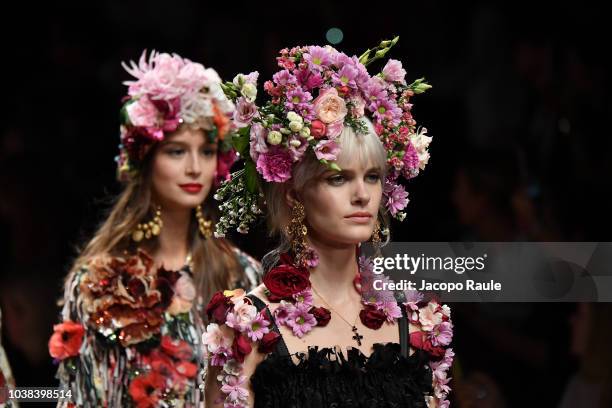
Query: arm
{"x": 431, "y": 331}
{"x": 233, "y": 354}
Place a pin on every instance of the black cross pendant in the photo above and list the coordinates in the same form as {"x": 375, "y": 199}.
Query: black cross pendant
{"x": 357, "y": 337}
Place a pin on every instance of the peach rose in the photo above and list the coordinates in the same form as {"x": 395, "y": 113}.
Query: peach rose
{"x": 329, "y": 107}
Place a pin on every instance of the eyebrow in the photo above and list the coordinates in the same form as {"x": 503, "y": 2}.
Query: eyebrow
{"x": 185, "y": 144}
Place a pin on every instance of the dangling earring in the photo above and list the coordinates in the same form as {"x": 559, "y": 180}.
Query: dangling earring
{"x": 149, "y": 229}
{"x": 296, "y": 230}
{"x": 205, "y": 226}
{"x": 376, "y": 238}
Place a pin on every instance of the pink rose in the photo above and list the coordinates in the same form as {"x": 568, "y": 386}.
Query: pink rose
{"x": 329, "y": 107}
{"x": 142, "y": 113}
{"x": 334, "y": 129}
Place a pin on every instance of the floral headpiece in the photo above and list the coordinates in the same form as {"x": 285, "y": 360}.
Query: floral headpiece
{"x": 168, "y": 91}
{"x": 318, "y": 92}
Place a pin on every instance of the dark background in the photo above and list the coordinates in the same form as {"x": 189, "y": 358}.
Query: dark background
{"x": 518, "y": 111}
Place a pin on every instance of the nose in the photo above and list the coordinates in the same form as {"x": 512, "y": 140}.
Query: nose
{"x": 361, "y": 195}
{"x": 193, "y": 167}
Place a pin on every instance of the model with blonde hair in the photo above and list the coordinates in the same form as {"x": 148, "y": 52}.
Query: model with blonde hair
{"x": 328, "y": 151}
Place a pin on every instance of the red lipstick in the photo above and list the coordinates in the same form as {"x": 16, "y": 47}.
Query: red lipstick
{"x": 192, "y": 188}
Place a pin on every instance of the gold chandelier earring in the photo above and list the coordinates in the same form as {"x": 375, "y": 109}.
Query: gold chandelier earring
{"x": 296, "y": 231}
{"x": 149, "y": 229}
{"x": 376, "y": 241}
{"x": 205, "y": 226}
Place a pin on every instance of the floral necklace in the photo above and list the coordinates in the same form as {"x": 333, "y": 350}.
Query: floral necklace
{"x": 290, "y": 285}
{"x": 238, "y": 328}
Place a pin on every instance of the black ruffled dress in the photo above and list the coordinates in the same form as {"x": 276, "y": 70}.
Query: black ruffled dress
{"x": 388, "y": 378}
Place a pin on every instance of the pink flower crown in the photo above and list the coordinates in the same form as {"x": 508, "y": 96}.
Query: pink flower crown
{"x": 317, "y": 93}
{"x": 169, "y": 91}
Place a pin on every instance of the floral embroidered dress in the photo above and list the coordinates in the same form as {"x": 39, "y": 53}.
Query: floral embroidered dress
{"x": 400, "y": 374}
{"x": 130, "y": 335}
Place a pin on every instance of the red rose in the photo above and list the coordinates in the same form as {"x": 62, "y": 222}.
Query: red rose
{"x": 371, "y": 317}
{"x": 344, "y": 90}
{"x": 419, "y": 340}
{"x": 285, "y": 281}
{"x": 241, "y": 347}
{"x": 317, "y": 129}
{"x": 217, "y": 308}
{"x": 268, "y": 342}
{"x": 321, "y": 314}
{"x": 66, "y": 340}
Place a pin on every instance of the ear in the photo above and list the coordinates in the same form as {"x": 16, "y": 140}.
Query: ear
{"x": 291, "y": 197}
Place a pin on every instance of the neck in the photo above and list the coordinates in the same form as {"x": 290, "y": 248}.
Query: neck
{"x": 173, "y": 239}
{"x": 334, "y": 275}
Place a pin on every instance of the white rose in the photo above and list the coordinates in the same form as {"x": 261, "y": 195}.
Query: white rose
{"x": 295, "y": 126}
{"x": 275, "y": 137}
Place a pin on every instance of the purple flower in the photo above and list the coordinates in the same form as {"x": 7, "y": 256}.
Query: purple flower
{"x": 442, "y": 334}
{"x": 386, "y": 108}
{"x": 393, "y": 72}
{"x": 244, "y": 113}
{"x": 297, "y": 98}
{"x": 311, "y": 257}
{"x": 391, "y": 310}
{"x": 220, "y": 356}
{"x": 375, "y": 89}
{"x": 233, "y": 387}
{"x": 284, "y": 78}
{"x": 413, "y": 296}
{"x": 304, "y": 297}
{"x": 411, "y": 160}
{"x": 309, "y": 79}
{"x": 317, "y": 58}
{"x": 307, "y": 112}
{"x": 300, "y": 321}
{"x": 257, "y": 141}
{"x": 297, "y": 151}
{"x": 275, "y": 165}
{"x": 258, "y": 327}
{"x": 281, "y": 313}
{"x": 345, "y": 77}
{"x": 396, "y": 196}
{"x": 327, "y": 150}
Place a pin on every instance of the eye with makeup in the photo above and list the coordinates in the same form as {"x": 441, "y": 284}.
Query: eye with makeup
{"x": 209, "y": 151}
{"x": 373, "y": 177}
{"x": 174, "y": 151}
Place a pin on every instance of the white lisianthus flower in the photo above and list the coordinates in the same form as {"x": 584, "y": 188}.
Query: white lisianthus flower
{"x": 249, "y": 91}
{"x": 305, "y": 132}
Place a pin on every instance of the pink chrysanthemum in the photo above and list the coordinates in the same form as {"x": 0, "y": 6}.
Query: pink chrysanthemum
{"x": 300, "y": 320}
{"x": 397, "y": 197}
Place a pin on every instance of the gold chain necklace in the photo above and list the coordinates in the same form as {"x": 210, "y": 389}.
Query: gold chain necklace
{"x": 356, "y": 336}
